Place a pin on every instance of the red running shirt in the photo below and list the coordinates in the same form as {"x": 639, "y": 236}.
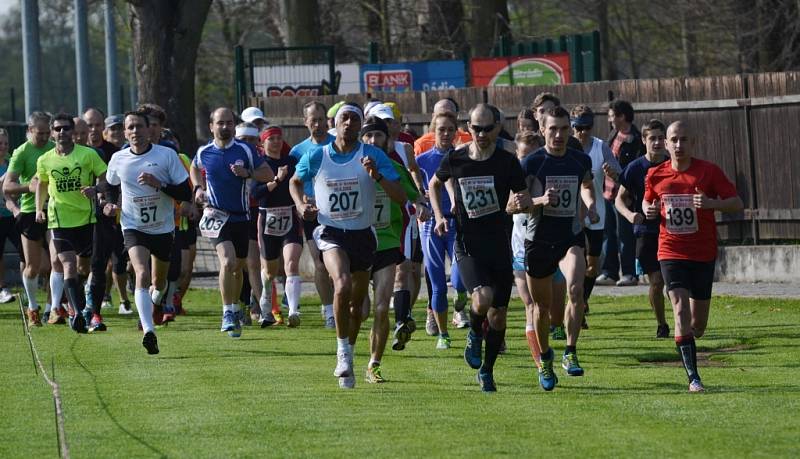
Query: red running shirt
{"x": 687, "y": 233}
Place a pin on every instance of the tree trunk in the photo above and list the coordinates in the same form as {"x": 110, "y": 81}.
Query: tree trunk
{"x": 688, "y": 42}
{"x": 166, "y": 36}
{"x": 608, "y": 54}
{"x": 300, "y": 24}
{"x": 489, "y": 22}
{"x": 442, "y": 29}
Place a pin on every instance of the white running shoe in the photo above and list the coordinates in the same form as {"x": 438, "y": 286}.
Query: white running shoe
{"x": 461, "y": 319}
{"x": 347, "y": 382}
{"x": 431, "y": 328}
{"x": 6, "y": 296}
{"x": 125, "y": 308}
{"x": 330, "y": 322}
{"x": 344, "y": 364}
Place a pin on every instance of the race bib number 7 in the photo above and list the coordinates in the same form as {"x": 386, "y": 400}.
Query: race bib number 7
{"x": 212, "y": 222}
{"x": 383, "y": 210}
{"x": 681, "y": 215}
{"x": 478, "y": 195}
{"x": 566, "y": 187}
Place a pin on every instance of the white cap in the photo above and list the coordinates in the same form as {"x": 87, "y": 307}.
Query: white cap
{"x": 252, "y": 113}
{"x": 370, "y": 105}
{"x": 382, "y": 111}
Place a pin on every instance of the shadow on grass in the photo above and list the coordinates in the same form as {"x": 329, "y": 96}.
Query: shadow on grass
{"x": 104, "y": 405}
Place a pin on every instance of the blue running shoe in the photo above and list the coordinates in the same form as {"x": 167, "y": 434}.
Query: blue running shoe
{"x": 237, "y": 325}
{"x": 570, "y": 363}
{"x": 228, "y": 321}
{"x": 547, "y": 377}
{"x": 87, "y": 314}
{"x": 486, "y": 381}
{"x": 472, "y": 352}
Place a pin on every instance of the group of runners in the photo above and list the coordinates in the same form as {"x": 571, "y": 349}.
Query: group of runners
{"x": 93, "y": 198}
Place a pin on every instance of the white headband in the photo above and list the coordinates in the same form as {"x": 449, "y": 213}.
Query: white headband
{"x": 348, "y": 108}
{"x": 246, "y": 131}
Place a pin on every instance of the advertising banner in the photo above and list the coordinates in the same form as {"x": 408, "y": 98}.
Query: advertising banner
{"x": 412, "y": 76}
{"x": 541, "y": 69}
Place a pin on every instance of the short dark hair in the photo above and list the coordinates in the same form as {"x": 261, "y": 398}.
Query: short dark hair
{"x": 546, "y": 97}
{"x": 155, "y": 111}
{"x": 63, "y": 117}
{"x": 314, "y": 104}
{"x": 139, "y": 113}
{"x": 526, "y": 114}
{"x": 455, "y": 104}
{"x": 555, "y": 112}
{"x": 652, "y": 125}
{"x": 622, "y": 107}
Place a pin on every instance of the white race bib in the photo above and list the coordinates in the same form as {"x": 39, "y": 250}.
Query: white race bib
{"x": 681, "y": 213}
{"x": 212, "y": 222}
{"x": 383, "y": 211}
{"x": 478, "y": 195}
{"x": 566, "y": 187}
{"x": 278, "y": 220}
{"x": 146, "y": 211}
{"x": 344, "y": 198}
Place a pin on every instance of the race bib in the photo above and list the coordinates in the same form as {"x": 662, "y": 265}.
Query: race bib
{"x": 681, "y": 213}
{"x": 383, "y": 211}
{"x": 478, "y": 195}
{"x": 146, "y": 211}
{"x": 278, "y": 220}
{"x": 566, "y": 187}
{"x": 344, "y": 199}
{"x": 212, "y": 222}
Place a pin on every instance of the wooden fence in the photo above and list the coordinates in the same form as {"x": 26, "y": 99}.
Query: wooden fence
{"x": 748, "y": 124}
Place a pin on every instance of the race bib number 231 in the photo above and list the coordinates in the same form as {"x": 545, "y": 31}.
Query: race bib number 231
{"x": 478, "y": 195}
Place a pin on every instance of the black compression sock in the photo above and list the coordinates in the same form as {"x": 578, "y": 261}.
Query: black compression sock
{"x": 476, "y": 323}
{"x": 402, "y": 305}
{"x": 570, "y": 350}
{"x": 75, "y": 295}
{"x": 588, "y": 286}
{"x": 494, "y": 339}
{"x": 688, "y": 352}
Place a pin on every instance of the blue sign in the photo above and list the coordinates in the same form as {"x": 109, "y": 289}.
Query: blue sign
{"x": 412, "y": 76}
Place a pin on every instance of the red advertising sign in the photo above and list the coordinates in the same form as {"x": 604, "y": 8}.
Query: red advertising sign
{"x": 544, "y": 69}
{"x": 388, "y": 80}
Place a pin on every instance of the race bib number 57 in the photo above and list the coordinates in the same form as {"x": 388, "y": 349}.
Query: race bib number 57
{"x": 681, "y": 215}
{"x": 478, "y": 195}
{"x": 212, "y": 222}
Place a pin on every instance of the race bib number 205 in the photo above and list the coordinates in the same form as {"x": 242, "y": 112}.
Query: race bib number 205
{"x": 479, "y": 195}
{"x": 681, "y": 215}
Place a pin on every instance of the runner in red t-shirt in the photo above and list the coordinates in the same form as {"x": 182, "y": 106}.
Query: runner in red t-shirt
{"x": 685, "y": 192}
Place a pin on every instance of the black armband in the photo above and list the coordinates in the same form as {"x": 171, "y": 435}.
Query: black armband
{"x": 179, "y": 192}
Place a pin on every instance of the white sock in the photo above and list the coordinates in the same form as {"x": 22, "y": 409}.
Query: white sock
{"x": 328, "y": 311}
{"x": 156, "y": 296}
{"x": 47, "y": 308}
{"x": 373, "y": 362}
{"x": 31, "y": 285}
{"x": 56, "y": 287}
{"x": 266, "y": 291}
{"x": 294, "y": 286}
{"x": 343, "y": 344}
{"x": 144, "y": 306}
{"x": 234, "y": 307}
{"x": 226, "y": 308}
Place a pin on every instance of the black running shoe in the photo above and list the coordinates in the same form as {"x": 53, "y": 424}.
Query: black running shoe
{"x": 78, "y": 323}
{"x": 662, "y": 331}
{"x": 150, "y": 343}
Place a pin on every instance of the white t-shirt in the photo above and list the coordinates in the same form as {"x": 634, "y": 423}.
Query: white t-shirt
{"x": 600, "y": 154}
{"x": 143, "y": 208}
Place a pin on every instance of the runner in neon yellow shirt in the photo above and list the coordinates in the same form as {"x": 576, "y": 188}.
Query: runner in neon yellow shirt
{"x": 67, "y": 176}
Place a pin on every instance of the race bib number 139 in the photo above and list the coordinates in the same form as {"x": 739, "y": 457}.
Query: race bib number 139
{"x": 681, "y": 215}
{"x": 478, "y": 195}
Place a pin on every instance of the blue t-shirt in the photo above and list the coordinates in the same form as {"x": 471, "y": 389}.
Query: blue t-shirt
{"x": 428, "y": 163}
{"x": 632, "y": 178}
{"x": 225, "y": 190}
{"x": 300, "y": 150}
{"x": 559, "y": 222}
{"x": 309, "y": 164}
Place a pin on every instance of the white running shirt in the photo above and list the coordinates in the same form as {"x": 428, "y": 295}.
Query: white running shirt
{"x": 143, "y": 208}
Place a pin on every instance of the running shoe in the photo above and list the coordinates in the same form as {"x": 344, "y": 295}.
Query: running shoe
{"x": 431, "y": 328}
{"x": 46, "y": 317}
{"x": 294, "y": 320}
{"x": 401, "y": 337}
{"x": 696, "y": 386}
{"x": 6, "y": 296}
{"x": 278, "y": 316}
{"x": 547, "y": 377}
{"x": 330, "y": 322}
{"x": 78, "y": 323}
{"x": 443, "y": 342}
{"x": 125, "y": 308}
{"x": 486, "y": 381}
{"x": 169, "y": 314}
{"x": 150, "y": 343}
{"x": 472, "y": 352}
{"x": 344, "y": 364}
{"x": 255, "y": 313}
{"x": 237, "y": 325}
{"x": 33, "y": 318}
{"x": 266, "y": 319}
{"x": 570, "y": 363}
{"x": 106, "y": 304}
{"x": 347, "y": 382}
{"x": 662, "y": 331}
{"x": 245, "y": 319}
{"x": 461, "y": 319}
{"x": 96, "y": 324}
{"x": 374, "y": 375}
{"x": 559, "y": 334}
{"x": 605, "y": 279}
{"x": 58, "y": 316}
{"x": 228, "y": 321}
{"x": 87, "y": 315}
{"x": 627, "y": 281}
{"x": 411, "y": 324}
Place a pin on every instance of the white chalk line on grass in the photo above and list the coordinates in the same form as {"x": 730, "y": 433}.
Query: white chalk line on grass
{"x": 60, "y": 431}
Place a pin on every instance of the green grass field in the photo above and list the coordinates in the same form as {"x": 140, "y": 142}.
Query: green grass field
{"x": 271, "y": 393}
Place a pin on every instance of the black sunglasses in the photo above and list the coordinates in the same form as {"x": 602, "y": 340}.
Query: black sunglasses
{"x": 478, "y": 129}
{"x": 582, "y": 128}
{"x": 62, "y": 128}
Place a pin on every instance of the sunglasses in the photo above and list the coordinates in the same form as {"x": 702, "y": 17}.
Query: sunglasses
{"x": 582, "y": 128}
{"x": 478, "y": 129}
{"x": 62, "y": 128}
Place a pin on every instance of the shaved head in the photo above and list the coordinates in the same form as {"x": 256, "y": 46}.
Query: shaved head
{"x": 680, "y": 126}
{"x": 444, "y": 105}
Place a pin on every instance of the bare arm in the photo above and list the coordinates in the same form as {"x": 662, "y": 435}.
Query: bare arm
{"x": 621, "y": 203}
{"x": 435, "y": 190}
{"x": 12, "y": 187}
{"x": 200, "y": 183}
{"x": 41, "y": 199}
{"x": 587, "y": 194}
